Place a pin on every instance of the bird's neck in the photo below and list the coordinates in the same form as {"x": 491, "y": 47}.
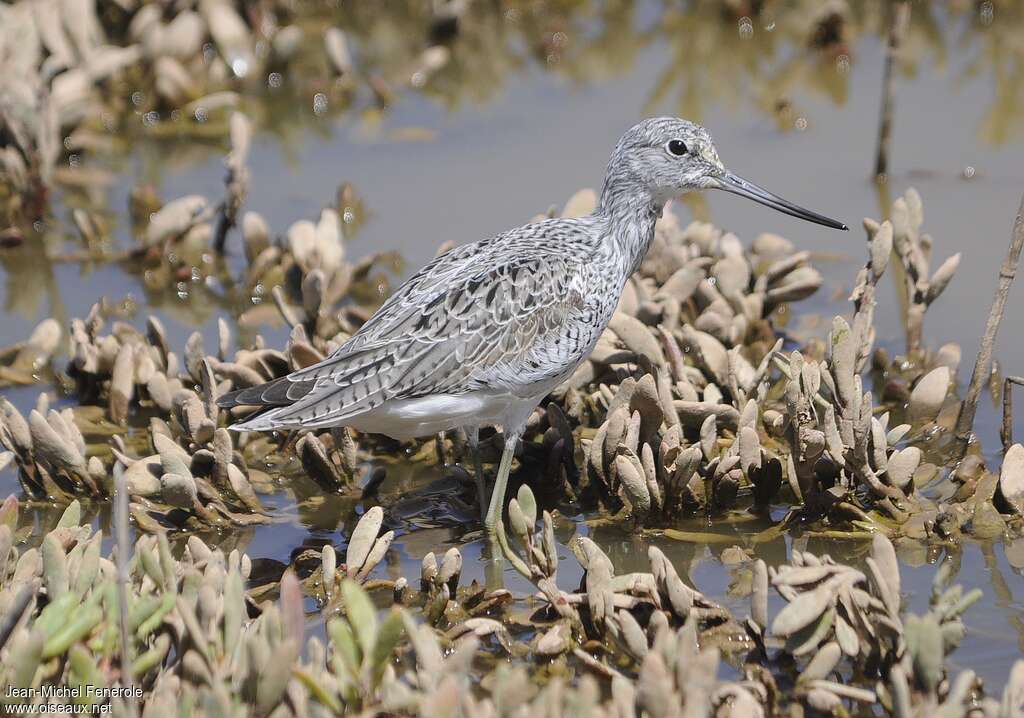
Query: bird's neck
{"x": 631, "y": 213}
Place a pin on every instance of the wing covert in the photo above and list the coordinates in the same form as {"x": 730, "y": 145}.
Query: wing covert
{"x": 470, "y": 319}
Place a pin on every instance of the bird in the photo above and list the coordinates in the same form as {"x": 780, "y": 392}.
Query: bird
{"x": 485, "y": 331}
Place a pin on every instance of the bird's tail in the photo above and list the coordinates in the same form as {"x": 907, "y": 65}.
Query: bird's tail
{"x": 278, "y": 392}
{"x": 263, "y": 421}
{"x": 277, "y": 395}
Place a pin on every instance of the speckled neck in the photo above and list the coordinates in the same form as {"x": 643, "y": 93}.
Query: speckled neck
{"x": 630, "y": 211}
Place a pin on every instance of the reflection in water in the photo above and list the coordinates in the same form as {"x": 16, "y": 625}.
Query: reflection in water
{"x": 715, "y": 50}
{"x": 734, "y": 54}
{"x": 468, "y": 53}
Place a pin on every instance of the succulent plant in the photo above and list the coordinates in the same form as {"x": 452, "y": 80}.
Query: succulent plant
{"x": 21, "y": 363}
{"x": 200, "y": 641}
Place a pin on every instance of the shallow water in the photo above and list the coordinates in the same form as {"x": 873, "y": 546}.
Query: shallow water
{"x": 444, "y": 166}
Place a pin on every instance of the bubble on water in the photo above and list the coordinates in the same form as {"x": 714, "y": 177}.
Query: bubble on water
{"x": 175, "y": 115}
{"x": 275, "y": 80}
{"x": 74, "y": 160}
{"x": 240, "y": 66}
{"x": 418, "y": 79}
{"x": 151, "y": 117}
{"x": 800, "y": 124}
{"x": 319, "y": 103}
{"x": 348, "y": 216}
{"x": 138, "y": 98}
{"x": 746, "y": 28}
{"x": 200, "y": 114}
{"x": 969, "y": 172}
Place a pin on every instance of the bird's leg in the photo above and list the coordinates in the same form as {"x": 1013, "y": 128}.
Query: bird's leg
{"x": 291, "y": 438}
{"x": 439, "y": 447}
{"x": 473, "y": 437}
{"x": 500, "y": 483}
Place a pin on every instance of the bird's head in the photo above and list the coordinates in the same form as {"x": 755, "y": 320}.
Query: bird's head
{"x": 668, "y": 156}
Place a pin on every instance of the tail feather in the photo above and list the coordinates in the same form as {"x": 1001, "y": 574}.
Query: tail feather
{"x": 279, "y": 392}
{"x": 324, "y": 394}
{"x": 262, "y": 421}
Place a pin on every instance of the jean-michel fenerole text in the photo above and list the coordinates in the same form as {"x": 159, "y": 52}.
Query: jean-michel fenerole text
{"x": 87, "y": 692}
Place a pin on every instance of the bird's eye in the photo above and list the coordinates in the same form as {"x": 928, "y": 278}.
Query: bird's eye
{"x": 676, "y": 147}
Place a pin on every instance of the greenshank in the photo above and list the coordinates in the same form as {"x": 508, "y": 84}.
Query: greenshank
{"x": 485, "y": 331}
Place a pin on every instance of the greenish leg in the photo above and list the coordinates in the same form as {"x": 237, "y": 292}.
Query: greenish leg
{"x": 473, "y": 437}
{"x": 500, "y": 484}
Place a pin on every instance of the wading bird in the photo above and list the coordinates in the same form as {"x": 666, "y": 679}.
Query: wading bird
{"x": 485, "y": 331}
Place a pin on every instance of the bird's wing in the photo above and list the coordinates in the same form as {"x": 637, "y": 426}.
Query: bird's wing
{"x": 466, "y": 321}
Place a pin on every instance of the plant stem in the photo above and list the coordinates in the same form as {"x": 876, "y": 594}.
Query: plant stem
{"x": 1006, "y": 433}
{"x": 983, "y": 364}
{"x": 123, "y": 554}
{"x": 898, "y": 25}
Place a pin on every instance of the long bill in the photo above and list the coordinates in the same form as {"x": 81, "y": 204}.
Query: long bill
{"x": 737, "y": 185}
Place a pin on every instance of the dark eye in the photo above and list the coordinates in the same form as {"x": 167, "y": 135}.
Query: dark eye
{"x": 677, "y": 147}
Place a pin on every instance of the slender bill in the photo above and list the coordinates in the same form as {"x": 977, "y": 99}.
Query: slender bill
{"x": 737, "y": 185}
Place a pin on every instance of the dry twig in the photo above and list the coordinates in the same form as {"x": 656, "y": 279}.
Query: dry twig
{"x": 983, "y": 364}
{"x": 900, "y": 20}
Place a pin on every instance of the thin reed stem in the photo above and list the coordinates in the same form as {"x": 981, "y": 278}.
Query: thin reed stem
{"x": 983, "y": 364}
{"x": 897, "y": 26}
{"x": 123, "y": 553}
{"x": 1006, "y": 433}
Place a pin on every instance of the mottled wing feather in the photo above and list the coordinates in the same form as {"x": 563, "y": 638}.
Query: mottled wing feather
{"x": 469, "y": 320}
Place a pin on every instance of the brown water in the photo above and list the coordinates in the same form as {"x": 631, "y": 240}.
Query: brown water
{"x": 507, "y": 131}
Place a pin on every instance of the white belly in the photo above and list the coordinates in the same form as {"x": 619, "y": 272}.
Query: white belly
{"x": 411, "y": 418}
